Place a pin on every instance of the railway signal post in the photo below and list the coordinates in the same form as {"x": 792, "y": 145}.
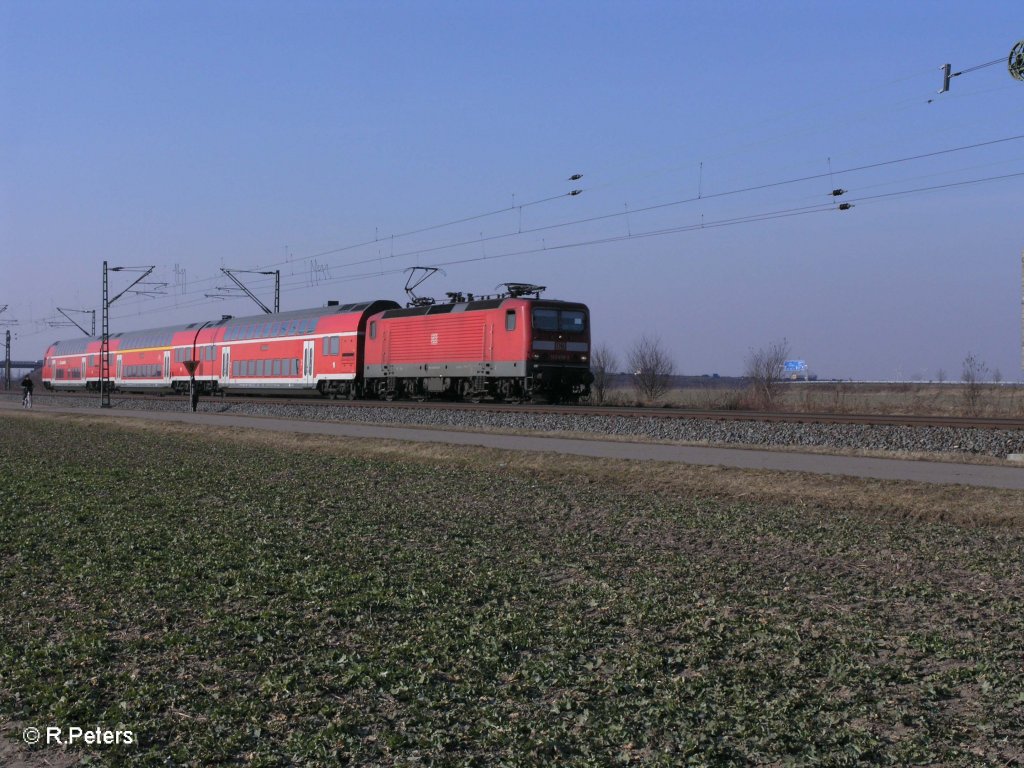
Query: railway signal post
{"x": 193, "y": 392}
{"x": 191, "y": 366}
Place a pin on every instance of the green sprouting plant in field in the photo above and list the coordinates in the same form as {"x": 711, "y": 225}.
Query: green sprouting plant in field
{"x": 235, "y": 603}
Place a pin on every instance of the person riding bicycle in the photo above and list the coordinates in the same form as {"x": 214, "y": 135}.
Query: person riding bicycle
{"x": 26, "y": 387}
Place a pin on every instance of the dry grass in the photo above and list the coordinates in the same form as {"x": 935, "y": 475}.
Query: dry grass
{"x": 913, "y": 399}
{"x": 900, "y": 500}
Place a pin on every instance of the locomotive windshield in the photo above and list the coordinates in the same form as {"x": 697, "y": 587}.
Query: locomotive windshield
{"x": 565, "y": 320}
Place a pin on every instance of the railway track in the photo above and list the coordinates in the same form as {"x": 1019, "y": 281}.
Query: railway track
{"x": 314, "y": 401}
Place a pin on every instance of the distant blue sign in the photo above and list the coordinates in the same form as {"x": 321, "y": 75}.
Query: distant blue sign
{"x": 794, "y": 366}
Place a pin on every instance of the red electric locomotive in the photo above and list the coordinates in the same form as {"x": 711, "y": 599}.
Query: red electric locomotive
{"x": 511, "y": 347}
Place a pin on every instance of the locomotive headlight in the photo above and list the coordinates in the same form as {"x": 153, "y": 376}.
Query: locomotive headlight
{"x": 583, "y": 358}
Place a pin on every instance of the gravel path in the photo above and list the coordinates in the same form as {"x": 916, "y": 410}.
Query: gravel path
{"x": 997, "y": 443}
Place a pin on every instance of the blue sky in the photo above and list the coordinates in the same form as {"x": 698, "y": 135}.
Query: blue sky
{"x": 247, "y": 134}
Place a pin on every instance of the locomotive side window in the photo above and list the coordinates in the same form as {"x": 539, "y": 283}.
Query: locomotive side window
{"x": 510, "y": 320}
{"x": 570, "y": 320}
{"x": 373, "y": 329}
{"x": 335, "y": 340}
{"x": 545, "y": 319}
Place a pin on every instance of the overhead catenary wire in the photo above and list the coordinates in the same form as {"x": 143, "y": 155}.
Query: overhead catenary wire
{"x": 1000, "y": 60}
{"x": 697, "y": 226}
{"x": 377, "y": 238}
{"x": 759, "y": 127}
{"x": 211, "y": 280}
{"x": 200, "y": 282}
{"x": 659, "y": 206}
{"x": 544, "y": 247}
{"x": 479, "y": 240}
{"x": 921, "y": 177}
{"x": 950, "y": 185}
{"x": 733, "y": 221}
{"x": 195, "y": 284}
{"x": 430, "y": 228}
{"x": 203, "y": 284}
{"x": 763, "y": 216}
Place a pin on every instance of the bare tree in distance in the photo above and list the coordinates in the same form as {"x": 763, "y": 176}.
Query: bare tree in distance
{"x": 603, "y": 364}
{"x": 764, "y": 372}
{"x": 974, "y": 374}
{"x": 651, "y": 366}
{"x": 940, "y": 375}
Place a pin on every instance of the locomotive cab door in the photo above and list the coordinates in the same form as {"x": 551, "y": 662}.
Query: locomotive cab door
{"x": 307, "y": 363}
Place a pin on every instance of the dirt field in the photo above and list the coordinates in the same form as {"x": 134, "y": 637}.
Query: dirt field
{"x": 251, "y": 599}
